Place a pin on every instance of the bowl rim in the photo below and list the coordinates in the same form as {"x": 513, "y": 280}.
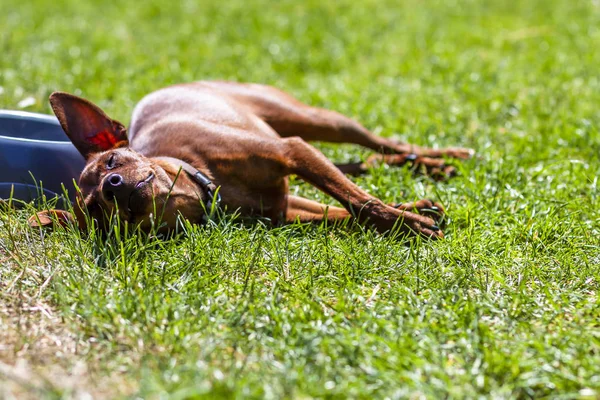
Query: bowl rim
{"x": 32, "y": 116}
{"x": 29, "y": 114}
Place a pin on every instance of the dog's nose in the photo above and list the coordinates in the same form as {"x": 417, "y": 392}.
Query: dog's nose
{"x": 114, "y": 180}
{"x": 113, "y": 187}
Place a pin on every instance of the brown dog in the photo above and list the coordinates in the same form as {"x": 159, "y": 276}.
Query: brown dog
{"x": 246, "y": 138}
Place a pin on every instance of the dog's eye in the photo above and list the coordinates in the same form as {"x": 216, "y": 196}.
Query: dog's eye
{"x": 110, "y": 164}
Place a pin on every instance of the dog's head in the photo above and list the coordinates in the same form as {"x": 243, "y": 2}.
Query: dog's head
{"x": 116, "y": 179}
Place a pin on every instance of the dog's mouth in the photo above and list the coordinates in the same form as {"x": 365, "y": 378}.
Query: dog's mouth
{"x": 139, "y": 197}
{"x": 146, "y": 181}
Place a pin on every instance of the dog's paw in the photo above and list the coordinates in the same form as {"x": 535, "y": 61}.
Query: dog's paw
{"x": 461, "y": 153}
{"x": 425, "y": 207}
{"x": 50, "y": 219}
{"x": 421, "y": 225}
{"x": 456, "y": 152}
{"x": 406, "y": 218}
{"x": 433, "y": 167}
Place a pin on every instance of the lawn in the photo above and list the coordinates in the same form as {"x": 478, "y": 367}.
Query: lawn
{"x": 506, "y": 306}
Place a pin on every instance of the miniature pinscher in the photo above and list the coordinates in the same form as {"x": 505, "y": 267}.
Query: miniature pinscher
{"x": 192, "y": 147}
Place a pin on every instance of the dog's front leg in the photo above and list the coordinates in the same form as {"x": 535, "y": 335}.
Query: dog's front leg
{"x": 305, "y": 210}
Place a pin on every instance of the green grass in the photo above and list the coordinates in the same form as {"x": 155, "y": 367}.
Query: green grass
{"x": 506, "y": 306}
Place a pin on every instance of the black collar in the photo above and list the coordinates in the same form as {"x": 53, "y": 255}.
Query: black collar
{"x": 202, "y": 180}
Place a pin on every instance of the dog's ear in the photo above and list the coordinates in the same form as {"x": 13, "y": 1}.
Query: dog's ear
{"x": 50, "y": 218}
{"x": 88, "y": 127}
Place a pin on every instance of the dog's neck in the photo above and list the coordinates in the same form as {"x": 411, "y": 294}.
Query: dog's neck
{"x": 203, "y": 181}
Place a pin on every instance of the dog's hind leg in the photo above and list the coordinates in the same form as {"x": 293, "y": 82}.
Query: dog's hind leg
{"x": 289, "y": 117}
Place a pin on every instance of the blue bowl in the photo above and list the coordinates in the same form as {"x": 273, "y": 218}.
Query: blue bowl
{"x": 36, "y": 158}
